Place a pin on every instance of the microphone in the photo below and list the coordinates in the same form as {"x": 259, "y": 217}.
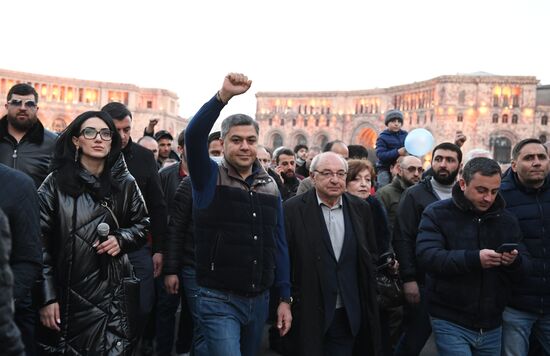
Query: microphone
{"x": 103, "y": 231}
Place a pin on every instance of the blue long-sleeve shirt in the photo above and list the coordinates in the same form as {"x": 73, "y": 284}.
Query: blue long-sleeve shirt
{"x": 204, "y": 175}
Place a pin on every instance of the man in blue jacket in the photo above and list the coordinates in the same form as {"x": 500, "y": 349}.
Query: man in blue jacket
{"x": 240, "y": 244}
{"x": 526, "y": 189}
{"x": 468, "y": 246}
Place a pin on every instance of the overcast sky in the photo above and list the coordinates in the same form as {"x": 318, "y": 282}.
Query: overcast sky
{"x": 300, "y": 45}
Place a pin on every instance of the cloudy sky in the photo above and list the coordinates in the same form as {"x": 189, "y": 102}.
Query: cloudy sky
{"x": 299, "y": 45}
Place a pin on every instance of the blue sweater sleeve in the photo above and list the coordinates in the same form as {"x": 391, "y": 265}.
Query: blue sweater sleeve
{"x": 282, "y": 260}
{"x": 202, "y": 169}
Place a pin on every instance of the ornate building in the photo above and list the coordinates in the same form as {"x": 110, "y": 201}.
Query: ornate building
{"x": 62, "y": 99}
{"x": 494, "y": 112}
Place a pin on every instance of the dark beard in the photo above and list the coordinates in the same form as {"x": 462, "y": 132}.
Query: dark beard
{"x": 450, "y": 179}
{"x": 19, "y": 125}
{"x": 289, "y": 178}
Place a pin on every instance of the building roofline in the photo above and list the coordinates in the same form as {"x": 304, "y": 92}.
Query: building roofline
{"x": 25, "y": 76}
{"x": 459, "y": 78}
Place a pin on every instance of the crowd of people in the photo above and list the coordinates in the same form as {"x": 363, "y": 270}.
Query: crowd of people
{"x": 104, "y": 240}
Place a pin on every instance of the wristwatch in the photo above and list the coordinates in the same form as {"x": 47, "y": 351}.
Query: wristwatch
{"x": 288, "y": 300}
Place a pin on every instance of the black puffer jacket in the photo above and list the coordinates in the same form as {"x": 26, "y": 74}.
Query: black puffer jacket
{"x": 179, "y": 247}
{"x": 31, "y": 155}
{"x": 96, "y": 314}
{"x": 10, "y": 338}
{"x": 451, "y": 235}
{"x": 532, "y": 208}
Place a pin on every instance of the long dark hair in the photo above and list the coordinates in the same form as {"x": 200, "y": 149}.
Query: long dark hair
{"x": 63, "y": 158}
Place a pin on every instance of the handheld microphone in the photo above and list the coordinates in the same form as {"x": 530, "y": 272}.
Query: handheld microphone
{"x": 103, "y": 231}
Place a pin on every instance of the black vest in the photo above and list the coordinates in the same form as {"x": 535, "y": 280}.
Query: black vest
{"x": 235, "y": 240}
{"x": 341, "y": 276}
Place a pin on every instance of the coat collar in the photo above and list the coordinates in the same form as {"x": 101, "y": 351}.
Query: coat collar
{"x": 511, "y": 181}
{"x": 34, "y": 135}
{"x": 258, "y": 173}
{"x": 399, "y": 184}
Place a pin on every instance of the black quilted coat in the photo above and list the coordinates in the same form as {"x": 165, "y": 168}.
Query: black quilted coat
{"x": 97, "y": 315}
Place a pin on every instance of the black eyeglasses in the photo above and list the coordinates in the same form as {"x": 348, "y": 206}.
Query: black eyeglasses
{"x": 91, "y": 133}
{"x": 29, "y": 104}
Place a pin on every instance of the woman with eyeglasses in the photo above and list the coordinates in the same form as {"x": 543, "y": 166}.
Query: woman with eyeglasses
{"x": 359, "y": 183}
{"x": 89, "y": 296}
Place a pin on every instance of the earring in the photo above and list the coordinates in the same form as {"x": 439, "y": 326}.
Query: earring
{"x": 76, "y": 154}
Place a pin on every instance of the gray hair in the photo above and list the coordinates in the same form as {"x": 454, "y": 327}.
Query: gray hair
{"x": 477, "y": 152}
{"x": 316, "y": 160}
{"x": 146, "y": 139}
{"x": 238, "y": 120}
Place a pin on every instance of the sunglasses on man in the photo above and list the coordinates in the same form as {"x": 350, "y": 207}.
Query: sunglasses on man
{"x": 29, "y": 104}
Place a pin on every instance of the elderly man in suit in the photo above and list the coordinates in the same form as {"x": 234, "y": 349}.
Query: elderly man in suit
{"x": 332, "y": 248}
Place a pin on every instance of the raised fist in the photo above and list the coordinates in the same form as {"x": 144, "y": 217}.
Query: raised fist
{"x": 234, "y": 84}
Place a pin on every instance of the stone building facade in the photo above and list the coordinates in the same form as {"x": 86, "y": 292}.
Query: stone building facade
{"x": 62, "y": 99}
{"x": 494, "y": 112}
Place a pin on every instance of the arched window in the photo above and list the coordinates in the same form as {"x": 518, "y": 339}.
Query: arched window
{"x": 459, "y": 118}
{"x": 505, "y": 118}
{"x": 502, "y": 148}
{"x": 323, "y": 139}
{"x": 301, "y": 140}
{"x": 544, "y": 120}
{"x": 515, "y": 119}
{"x": 277, "y": 140}
{"x": 495, "y": 118}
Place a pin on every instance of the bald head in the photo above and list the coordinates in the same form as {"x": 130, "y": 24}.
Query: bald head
{"x": 151, "y": 144}
{"x": 340, "y": 148}
{"x": 410, "y": 170}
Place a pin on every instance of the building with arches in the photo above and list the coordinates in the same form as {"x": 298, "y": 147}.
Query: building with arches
{"x": 493, "y": 111}
{"x": 62, "y": 99}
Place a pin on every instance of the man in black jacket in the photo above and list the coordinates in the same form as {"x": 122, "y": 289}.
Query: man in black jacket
{"x": 167, "y": 303}
{"x": 142, "y": 166}
{"x": 446, "y": 158}
{"x": 285, "y": 160}
{"x": 468, "y": 246}
{"x": 19, "y": 201}
{"x": 526, "y": 190}
{"x": 24, "y": 143}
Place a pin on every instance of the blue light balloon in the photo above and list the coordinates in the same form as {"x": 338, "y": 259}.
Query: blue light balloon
{"x": 419, "y": 142}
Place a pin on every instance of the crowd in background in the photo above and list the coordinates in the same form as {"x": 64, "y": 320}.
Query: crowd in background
{"x": 105, "y": 241}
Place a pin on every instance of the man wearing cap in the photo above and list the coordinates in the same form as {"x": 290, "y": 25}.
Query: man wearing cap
{"x": 389, "y": 146}
{"x": 164, "y": 139}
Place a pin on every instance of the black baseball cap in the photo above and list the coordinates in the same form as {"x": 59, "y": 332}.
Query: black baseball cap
{"x": 163, "y": 134}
